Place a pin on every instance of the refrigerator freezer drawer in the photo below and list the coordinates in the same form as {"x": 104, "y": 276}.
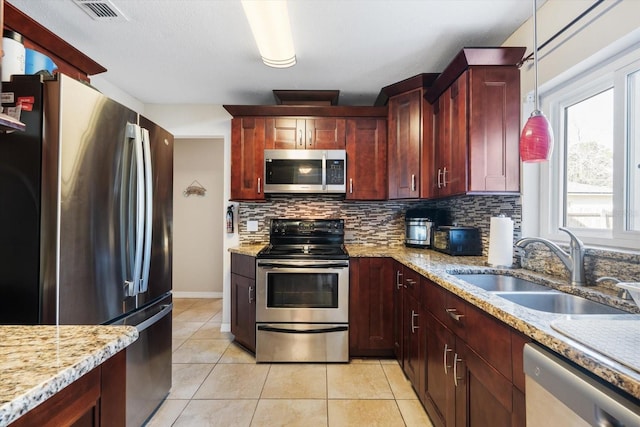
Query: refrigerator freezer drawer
{"x": 148, "y": 361}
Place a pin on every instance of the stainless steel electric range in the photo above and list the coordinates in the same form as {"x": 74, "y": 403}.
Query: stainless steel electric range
{"x": 302, "y": 293}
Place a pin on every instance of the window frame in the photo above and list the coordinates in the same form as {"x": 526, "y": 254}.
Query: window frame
{"x": 588, "y": 82}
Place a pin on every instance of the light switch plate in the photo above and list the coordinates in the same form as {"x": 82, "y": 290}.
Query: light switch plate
{"x": 252, "y": 225}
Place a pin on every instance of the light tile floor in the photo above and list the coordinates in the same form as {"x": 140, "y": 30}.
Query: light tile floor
{"x": 218, "y": 383}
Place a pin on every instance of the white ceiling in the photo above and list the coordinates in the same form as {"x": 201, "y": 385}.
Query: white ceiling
{"x": 203, "y": 52}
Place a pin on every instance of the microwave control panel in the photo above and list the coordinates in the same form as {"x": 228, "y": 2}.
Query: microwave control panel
{"x": 335, "y": 172}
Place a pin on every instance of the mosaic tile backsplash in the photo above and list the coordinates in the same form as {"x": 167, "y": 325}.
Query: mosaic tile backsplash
{"x": 374, "y": 223}
{"x": 382, "y": 223}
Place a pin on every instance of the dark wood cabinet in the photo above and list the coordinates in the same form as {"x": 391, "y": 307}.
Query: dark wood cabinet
{"x": 255, "y": 128}
{"x": 366, "y": 159}
{"x": 95, "y": 399}
{"x": 247, "y": 158}
{"x": 243, "y": 300}
{"x": 315, "y": 133}
{"x": 371, "y": 290}
{"x": 468, "y": 364}
{"x": 398, "y": 312}
{"x": 405, "y": 116}
{"x": 476, "y": 124}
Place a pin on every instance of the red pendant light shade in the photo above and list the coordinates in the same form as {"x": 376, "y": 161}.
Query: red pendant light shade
{"x": 536, "y": 140}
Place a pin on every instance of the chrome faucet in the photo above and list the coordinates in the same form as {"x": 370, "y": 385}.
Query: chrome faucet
{"x": 573, "y": 261}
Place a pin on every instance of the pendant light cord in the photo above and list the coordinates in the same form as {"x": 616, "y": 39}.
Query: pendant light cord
{"x": 535, "y": 55}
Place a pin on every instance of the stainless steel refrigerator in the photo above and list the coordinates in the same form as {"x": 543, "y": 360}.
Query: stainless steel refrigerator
{"x": 86, "y": 223}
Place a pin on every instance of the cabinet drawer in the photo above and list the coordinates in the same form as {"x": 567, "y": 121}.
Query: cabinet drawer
{"x": 446, "y": 307}
{"x": 412, "y": 283}
{"x": 243, "y": 265}
{"x": 490, "y": 339}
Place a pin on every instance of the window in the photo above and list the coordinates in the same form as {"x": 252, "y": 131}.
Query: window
{"x": 593, "y": 178}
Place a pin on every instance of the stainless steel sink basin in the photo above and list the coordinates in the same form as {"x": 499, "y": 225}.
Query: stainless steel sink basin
{"x": 502, "y": 283}
{"x": 558, "y": 302}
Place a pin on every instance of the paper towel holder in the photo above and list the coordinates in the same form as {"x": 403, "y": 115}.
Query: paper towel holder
{"x": 500, "y": 253}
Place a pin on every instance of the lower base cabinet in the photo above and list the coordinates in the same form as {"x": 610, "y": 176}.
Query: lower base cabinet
{"x": 243, "y": 300}
{"x": 95, "y": 399}
{"x": 463, "y": 363}
{"x": 370, "y": 307}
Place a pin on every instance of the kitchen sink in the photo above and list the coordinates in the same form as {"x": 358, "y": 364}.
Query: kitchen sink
{"x": 558, "y": 302}
{"x": 502, "y": 283}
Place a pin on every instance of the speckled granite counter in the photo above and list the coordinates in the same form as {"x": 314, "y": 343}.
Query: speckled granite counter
{"x": 535, "y": 324}
{"x": 38, "y": 361}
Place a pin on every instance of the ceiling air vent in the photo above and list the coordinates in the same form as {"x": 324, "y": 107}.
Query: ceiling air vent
{"x": 101, "y": 10}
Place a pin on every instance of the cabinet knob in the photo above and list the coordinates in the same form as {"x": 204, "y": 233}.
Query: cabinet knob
{"x": 259, "y": 187}
{"x": 300, "y": 141}
{"x": 250, "y": 298}
{"x": 439, "y": 178}
{"x": 444, "y": 177}
{"x": 350, "y": 185}
{"x": 413, "y": 182}
{"x": 398, "y": 279}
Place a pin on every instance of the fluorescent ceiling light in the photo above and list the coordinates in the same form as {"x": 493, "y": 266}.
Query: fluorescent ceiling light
{"x": 269, "y": 21}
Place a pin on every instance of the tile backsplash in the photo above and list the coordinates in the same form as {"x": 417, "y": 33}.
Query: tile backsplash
{"x": 374, "y": 223}
{"x": 382, "y": 223}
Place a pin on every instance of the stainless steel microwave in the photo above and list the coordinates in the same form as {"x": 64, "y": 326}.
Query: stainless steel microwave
{"x": 305, "y": 171}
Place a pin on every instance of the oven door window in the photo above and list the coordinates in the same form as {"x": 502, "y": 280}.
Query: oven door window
{"x": 280, "y": 171}
{"x": 302, "y": 290}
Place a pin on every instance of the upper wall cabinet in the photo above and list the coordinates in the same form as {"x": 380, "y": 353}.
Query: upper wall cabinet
{"x": 319, "y": 133}
{"x": 359, "y": 130}
{"x": 476, "y": 124}
{"x": 409, "y": 127}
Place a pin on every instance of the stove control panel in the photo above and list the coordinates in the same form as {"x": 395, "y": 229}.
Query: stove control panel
{"x": 306, "y": 227}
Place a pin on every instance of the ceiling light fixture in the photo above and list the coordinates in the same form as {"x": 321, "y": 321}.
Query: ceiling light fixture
{"x": 536, "y": 140}
{"x": 269, "y": 21}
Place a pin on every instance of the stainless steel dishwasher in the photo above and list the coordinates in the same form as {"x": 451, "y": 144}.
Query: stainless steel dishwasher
{"x": 559, "y": 394}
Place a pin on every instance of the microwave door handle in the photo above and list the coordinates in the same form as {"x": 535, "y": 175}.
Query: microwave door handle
{"x": 324, "y": 170}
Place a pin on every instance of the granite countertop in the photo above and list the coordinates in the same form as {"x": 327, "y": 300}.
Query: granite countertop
{"x": 36, "y": 362}
{"x": 533, "y": 323}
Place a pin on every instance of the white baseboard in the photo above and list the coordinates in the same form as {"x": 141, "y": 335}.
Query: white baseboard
{"x": 181, "y": 294}
{"x": 225, "y": 327}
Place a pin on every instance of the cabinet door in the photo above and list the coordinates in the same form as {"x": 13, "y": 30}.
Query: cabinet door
{"x": 494, "y": 129}
{"x": 414, "y": 324}
{"x": 284, "y": 133}
{"x": 247, "y": 158}
{"x": 405, "y": 115}
{"x": 483, "y": 396}
{"x": 439, "y": 396}
{"x": 326, "y": 133}
{"x": 243, "y": 310}
{"x": 398, "y": 314}
{"x": 451, "y": 152}
{"x": 366, "y": 159}
{"x": 370, "y": 314}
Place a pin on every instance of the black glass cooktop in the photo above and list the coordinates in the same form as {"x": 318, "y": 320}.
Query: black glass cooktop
{"x": 305, "y": 239}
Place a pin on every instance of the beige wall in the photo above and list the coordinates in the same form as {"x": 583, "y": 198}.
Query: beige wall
{"x": 198, "y": 223}
{"x": 611, "y": 27}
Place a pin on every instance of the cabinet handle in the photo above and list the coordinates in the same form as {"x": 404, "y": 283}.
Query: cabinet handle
{"x": 410, "y": 282}
{"x": 413, "y": 182}
{"x": 439, "y": 178}
{"x": 259, "y": 189}
{"x": 444, "y": 177}
{"x": 310, "y": 139}
{"x": 454, "y": 315}
{"x": 300, "y": 141}
{"x": 250, "y": 290}
{"x": 444, "y": 358}
{"x": 398, "y": 279}
{"x": 456, "y": 359}
{"x": 350, "y": 185}
{"x": 413, "y": 326}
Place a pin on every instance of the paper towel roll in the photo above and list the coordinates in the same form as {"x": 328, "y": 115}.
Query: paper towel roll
{"x": 501, "y": 241}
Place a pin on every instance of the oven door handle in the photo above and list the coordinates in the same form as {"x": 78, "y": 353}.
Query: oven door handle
{"x": 302, "y": 331}
{"x": 283, "y": 265}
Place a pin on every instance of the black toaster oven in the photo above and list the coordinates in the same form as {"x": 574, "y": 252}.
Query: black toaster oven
{"x": 456, "y": 240}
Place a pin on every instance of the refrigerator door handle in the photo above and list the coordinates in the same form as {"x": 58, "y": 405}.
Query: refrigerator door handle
{"x": 139, "y": 208}
{"x": 148, "y": 210}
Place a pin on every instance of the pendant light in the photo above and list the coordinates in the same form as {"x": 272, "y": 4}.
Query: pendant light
{"x": 536, "y": 140}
